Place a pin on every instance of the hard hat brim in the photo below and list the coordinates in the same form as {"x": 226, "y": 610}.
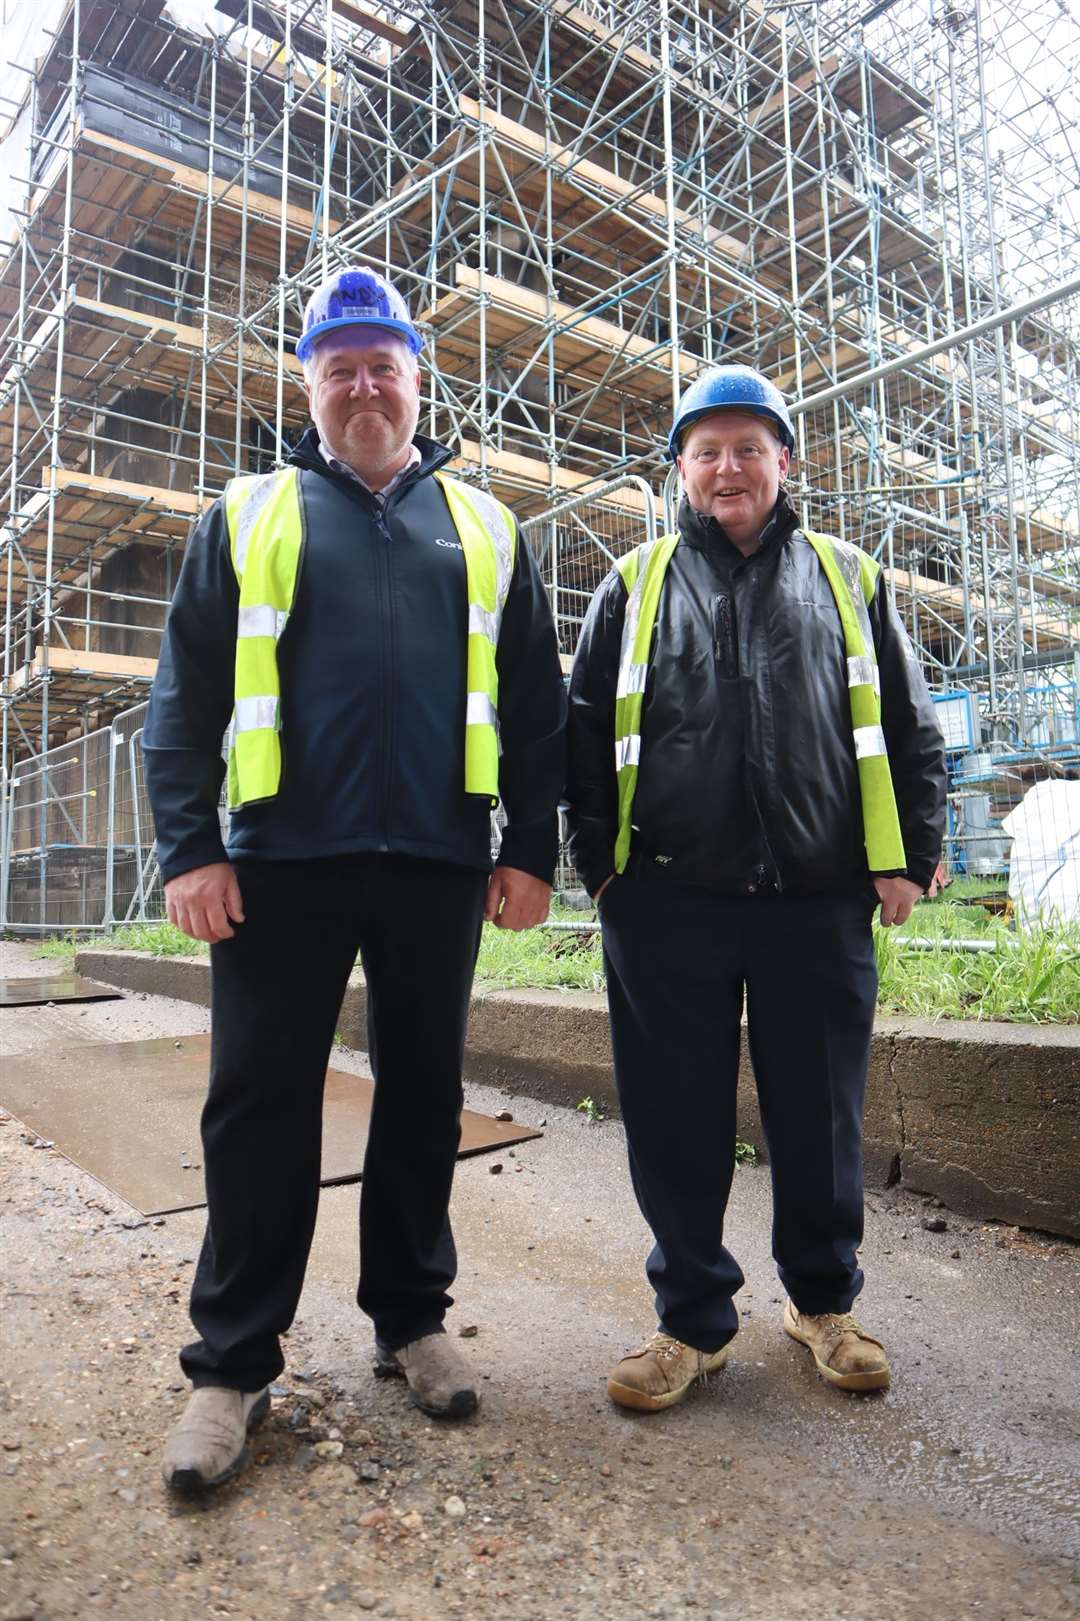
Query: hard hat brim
{"x": 675, "y": 440}
{"x": 400, "y": 329}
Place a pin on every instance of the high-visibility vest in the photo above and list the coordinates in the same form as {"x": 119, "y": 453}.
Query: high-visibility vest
{"x": 266, "y": 541}
{"x": 852, "y": 575}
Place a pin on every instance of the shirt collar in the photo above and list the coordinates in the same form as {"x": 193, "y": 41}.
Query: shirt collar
{"x": 345, "y": 471}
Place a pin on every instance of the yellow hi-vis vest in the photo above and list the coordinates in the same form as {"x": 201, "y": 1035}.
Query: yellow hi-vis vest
{"x": 852, "y": 576}
{"x": 266, "y": 540}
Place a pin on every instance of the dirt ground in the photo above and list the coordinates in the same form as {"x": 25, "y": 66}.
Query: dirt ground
{"x": 767, "y": 1495}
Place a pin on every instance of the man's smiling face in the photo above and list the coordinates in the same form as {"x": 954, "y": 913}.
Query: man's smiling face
{"x": 731, "y": 464}
{"x": 363, "y": 389}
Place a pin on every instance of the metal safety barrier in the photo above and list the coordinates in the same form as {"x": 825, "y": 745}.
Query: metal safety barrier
{"x": 77, "y": 847}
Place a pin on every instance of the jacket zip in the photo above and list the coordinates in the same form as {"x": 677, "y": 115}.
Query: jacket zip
{"x": 387, "y": 650}
{"x": 776, "y": 876}
{"x": 724, "y": 636}
{"x": 383, "y": 571}
{"x": 382, "y": 513}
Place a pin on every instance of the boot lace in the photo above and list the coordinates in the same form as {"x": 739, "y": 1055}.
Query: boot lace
{"x": 666, "y": 1348}
{"x": 836, "y": 1323}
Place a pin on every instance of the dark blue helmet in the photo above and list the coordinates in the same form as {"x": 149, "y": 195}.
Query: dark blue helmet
{"x": 731, "y": 388}
{"x": 356, "y": 297}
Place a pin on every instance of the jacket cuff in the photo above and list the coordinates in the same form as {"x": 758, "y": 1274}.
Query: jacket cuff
{"x": 918, "y": 873}
{"x": 206, "y": 856}
{"x": 532, "y": 847}
{"x": 921, "y": 874}
{"x": 594, "y": 866}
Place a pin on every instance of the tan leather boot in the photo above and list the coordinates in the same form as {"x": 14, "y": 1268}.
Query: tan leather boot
{"x": 661, "y": 1373}
{"x": 440, "y": 1383}
{"x": 206, "y": 1446}
{"x": 846, "y": 1355}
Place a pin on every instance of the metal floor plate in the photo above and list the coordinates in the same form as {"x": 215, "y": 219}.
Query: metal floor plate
{"x": 61, "y": 988}
{"x": 128, "y": 1112}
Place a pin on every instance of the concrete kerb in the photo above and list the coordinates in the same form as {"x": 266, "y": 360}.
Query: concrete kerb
{"x": 985, "y": 1116}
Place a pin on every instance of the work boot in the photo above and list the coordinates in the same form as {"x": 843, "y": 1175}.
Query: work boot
{"x": 661, "y": 1373}
{"x": 845, "y": 1354}
{"x": 206, "y": 1445}
{"x": 438, "y": 1375}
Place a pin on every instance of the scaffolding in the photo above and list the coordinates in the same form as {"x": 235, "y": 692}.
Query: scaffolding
{"x": 585, "y": 204}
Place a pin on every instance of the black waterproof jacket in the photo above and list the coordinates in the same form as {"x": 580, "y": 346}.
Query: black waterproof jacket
{"x": 747, "y": 779}
{"x": 372, "y": 665}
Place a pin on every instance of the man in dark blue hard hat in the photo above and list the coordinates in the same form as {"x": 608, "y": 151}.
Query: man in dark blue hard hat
{"x": 372, "y": 638}
{"x": 755, "y": 767}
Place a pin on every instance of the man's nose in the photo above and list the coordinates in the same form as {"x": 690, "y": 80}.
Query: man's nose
{"x": 363, "y": 382}
{"x": 727, "y": 461}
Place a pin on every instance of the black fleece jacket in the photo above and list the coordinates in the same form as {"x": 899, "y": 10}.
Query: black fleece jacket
{"x": 748, "y": 776}
{"x": 372, "y": 665}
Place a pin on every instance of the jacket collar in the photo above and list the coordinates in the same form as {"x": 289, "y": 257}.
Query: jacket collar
{"x": 701, "y": 530}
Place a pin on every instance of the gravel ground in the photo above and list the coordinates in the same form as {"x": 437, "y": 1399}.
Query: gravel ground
{"x": 767, "y": 1495}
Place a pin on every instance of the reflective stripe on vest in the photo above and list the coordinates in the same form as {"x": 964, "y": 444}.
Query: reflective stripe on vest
{"x": 262, "y": 513}
{"x": 265, "y": 526}
{"x": 487, "y": 533}
{"x": 643, "y": 573}
{"x": 852, "y": 577}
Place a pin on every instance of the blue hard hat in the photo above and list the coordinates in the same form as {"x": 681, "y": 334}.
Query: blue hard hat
{"x": 356, "y": 297}
{"x": 731, "y": 388}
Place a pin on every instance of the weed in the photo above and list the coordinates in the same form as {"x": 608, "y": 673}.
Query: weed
{"x": 745, "y": 1153}
{"x": 62, "y": 947}
{"x": 594, "y": 1112}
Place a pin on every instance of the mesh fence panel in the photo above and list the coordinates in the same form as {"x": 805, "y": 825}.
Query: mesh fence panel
{"x": 77, "y": 845}
{"x": 136, "y": 880}
{"x": 55, "y": 838}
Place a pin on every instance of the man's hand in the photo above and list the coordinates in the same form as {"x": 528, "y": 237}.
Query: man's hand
{"x": 516, "y": 900}
{"x": 202, "y": 902}
{"x": 897, "y": 896}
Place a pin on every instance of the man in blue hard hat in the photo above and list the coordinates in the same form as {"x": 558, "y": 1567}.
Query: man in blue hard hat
{"x": 754, "y": 768}
{"x": 372, "y": 639}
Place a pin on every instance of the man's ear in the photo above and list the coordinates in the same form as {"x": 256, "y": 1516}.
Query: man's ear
{"x": 679, "y": 465}
{"x": 785, "y": 461}
{"x": 419, "y": 383}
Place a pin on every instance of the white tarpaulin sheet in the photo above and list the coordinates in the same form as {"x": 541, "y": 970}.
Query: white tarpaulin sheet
{"x": 1044, "y": 869}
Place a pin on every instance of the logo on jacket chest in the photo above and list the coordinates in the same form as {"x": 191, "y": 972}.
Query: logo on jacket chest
{"x": 450, "y": 545}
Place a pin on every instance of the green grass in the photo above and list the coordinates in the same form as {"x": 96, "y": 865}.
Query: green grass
{"x": 540, "y": 959}
{"x": 64, "y": 946}
{"x": 160, "y": 939}
{"x": 1027, "y": 978}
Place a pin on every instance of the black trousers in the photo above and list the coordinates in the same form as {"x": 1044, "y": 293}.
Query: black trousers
{"x": 678, "y": 962}
{"x": 276, "y": 996}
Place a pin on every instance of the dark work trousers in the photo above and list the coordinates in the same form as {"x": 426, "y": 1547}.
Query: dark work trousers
{"x": 276, "y": 995}
{"x": 678, "y": 960}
